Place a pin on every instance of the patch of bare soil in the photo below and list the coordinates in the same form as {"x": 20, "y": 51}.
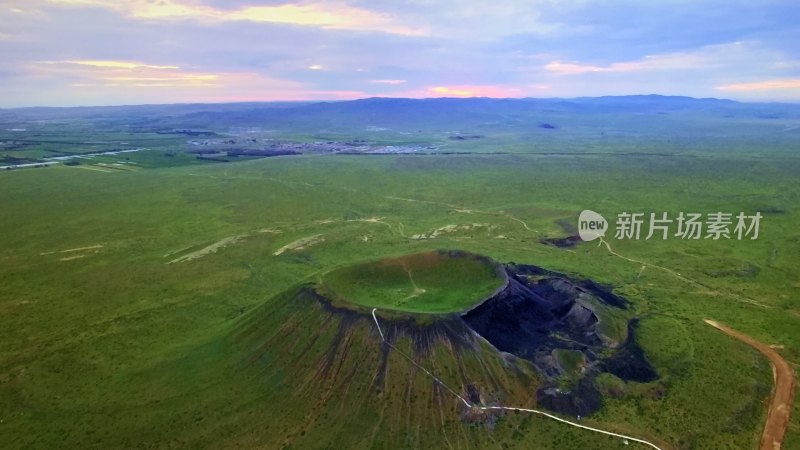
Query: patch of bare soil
{"x": 300, "y": 244}
{"x": 213, "y": 248}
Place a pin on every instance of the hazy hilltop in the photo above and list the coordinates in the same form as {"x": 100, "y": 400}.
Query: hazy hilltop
{"x": 624, "y": 124}
{"x": 410, "y": 112}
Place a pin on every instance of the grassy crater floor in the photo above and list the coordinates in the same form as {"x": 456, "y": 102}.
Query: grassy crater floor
{"x": 431, "y": 282}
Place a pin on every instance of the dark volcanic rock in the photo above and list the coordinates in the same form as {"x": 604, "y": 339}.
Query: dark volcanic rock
{"x": 528, "y": 319}
{"x": 540, "y": 311}
{"x": 629, "y": 362}
{"x": 598, "y": 290}
{"x": 461, "y": 137}
{"x": 583, "y": 399}
{"x": 565, "y": 242}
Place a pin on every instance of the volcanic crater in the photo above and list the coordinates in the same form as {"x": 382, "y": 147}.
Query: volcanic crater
{"x": 537, "y": 337}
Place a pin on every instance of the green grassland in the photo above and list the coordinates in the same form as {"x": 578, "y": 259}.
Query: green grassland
{"x": 152, "y": 307}
{"x": 431, "y": 282}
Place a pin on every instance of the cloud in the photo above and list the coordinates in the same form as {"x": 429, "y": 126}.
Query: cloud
{"x": 123, "y": 73}
{"x": 325, "y": 15}
{"x": 793, "y": 84}
{"x": 99, "y": 82}
{"x": 702, "y": 71}
{"x": 176, "y": 79}
{"x": 472, "y": 91}
{"x": 668, "y": 61}
{"x": 322, "y": 15}
{"x": 112, "y": 64}
{"x": 393, "y": 82}
{"x": 479, "y": 20}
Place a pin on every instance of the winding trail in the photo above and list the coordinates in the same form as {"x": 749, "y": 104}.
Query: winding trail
{"x": 782, "y": 395}
{"x": 435, "y": 378}
{"x": 644, "y": 264}
{"x": 505, "y": 214}
{"x": 679, "y": 276}
{"x": 417, "y": 291}
{"x": 464, "y": 210}
{"x": 504, "y": 408}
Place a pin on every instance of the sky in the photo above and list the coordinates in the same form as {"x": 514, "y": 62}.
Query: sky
{"x": 112, "y": 52}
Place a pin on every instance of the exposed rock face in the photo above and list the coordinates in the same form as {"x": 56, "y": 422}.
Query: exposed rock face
{"x": 539, "y": 312}
{"x": 531, "y": 318}
{"x": 582, "y": 399}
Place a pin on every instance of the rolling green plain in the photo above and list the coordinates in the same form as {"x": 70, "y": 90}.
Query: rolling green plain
{"x": 162, "y": 302}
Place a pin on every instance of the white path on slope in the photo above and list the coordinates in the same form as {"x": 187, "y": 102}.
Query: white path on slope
{"x": 468, "y": 405}
{"x": 506, "y": 408}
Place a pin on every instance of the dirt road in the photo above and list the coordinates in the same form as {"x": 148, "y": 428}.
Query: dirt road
{"x": 782, "y": 396}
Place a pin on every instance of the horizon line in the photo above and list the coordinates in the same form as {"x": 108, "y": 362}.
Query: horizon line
{"x": 377, "y": 97}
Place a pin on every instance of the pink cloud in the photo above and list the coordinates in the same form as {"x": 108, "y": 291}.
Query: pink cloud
{"x": 761, "y": 85}
{"x": 465, "y": 90}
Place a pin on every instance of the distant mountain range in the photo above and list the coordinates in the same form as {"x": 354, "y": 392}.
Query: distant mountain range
{"x": 404, "y": 112}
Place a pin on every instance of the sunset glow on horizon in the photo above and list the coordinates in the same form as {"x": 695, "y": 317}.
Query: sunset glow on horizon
{"x": 106, "y": 52}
